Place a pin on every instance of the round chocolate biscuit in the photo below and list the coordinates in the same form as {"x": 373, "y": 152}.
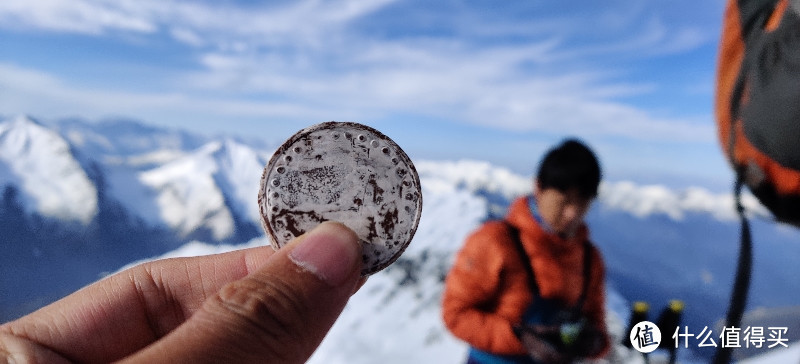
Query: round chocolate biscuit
{"x": 345, "y": 172}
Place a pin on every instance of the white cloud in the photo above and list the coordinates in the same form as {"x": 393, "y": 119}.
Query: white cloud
{"x": 26, "y": 91}
{"x": 189, "y": 22}
{"x": 431, "y": 80}
{"x": 643, "y": 200}
{"x": 79, "y": 16}
{"x": 187, "y": 36}
{"x": 484, "y": 87}
{"x": 307, "y": 59}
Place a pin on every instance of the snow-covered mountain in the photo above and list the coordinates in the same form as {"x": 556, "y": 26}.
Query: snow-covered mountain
{"x": 82, "y": 199}
{"x": 165, "y": 178}
{"x": 41, "y": 163}
{"x": 210, "y": 189}
{"x": 90, "y": 197}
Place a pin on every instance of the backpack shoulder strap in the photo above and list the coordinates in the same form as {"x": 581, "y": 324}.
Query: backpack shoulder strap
{"x": 587, "y": 275}
{"x": 741, "y": 285}
{"x": 513, "y": 232}
{"x": 526, "y": 263}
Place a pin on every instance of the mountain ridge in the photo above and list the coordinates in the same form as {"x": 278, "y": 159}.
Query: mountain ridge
{"x": 42, "y": 165}
{"x": 133, "y": 153}
{"x": 658, "y": 243}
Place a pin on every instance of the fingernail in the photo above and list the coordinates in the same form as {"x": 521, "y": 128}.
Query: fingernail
{"x": 330, "y": 251}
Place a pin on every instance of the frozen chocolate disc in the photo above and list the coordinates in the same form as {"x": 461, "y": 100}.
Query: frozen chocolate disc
{"x": 343, "y": 172}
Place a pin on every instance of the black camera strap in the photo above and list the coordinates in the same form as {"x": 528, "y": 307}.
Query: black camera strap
{"x": 526, "y": 263}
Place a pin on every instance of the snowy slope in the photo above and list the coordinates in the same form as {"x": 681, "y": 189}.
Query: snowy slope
{"x": 206, "y": 189}
{"x": 40, "y": 162}
{"x": 187, "y": 195}
{"x": 239, "y": 169}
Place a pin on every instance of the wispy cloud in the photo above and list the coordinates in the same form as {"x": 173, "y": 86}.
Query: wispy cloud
{"x": 27, "y": 89}
{"x": 188, "y": 21}
{"x": 80, "y": 16}
{"x": 522, "y": 67}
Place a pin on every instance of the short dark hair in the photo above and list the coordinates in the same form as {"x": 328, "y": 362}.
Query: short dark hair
{"x": 570, "y": 165}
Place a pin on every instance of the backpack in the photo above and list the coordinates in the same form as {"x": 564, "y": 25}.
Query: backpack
{"x": 758, "y": 120}
{"x": 758, "y": 101}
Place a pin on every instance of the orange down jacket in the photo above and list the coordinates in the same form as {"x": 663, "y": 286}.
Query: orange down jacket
{"x": 487, "y": 291}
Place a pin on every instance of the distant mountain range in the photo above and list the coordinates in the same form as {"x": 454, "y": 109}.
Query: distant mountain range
{"x": 81, "y": 199}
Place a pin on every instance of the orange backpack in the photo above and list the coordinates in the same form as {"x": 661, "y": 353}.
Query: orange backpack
{"x": 758, "y": 101}
{"x": 758, "y": 119}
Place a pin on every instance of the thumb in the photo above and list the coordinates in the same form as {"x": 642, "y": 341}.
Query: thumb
{"x": 277, "y": 314}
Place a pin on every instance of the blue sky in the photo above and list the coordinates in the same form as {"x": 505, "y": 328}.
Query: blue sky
{"x": 491, "y": 80}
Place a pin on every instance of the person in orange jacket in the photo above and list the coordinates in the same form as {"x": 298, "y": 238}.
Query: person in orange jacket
{"x": 490, "y": 300}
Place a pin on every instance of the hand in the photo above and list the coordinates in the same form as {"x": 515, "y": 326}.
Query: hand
{"x": 253, "y": 305}
{"x": 540, "y": 342}
{"x": 591, "y": 342}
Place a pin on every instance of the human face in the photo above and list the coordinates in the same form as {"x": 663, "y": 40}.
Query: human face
{"x": 562, "y": 211}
